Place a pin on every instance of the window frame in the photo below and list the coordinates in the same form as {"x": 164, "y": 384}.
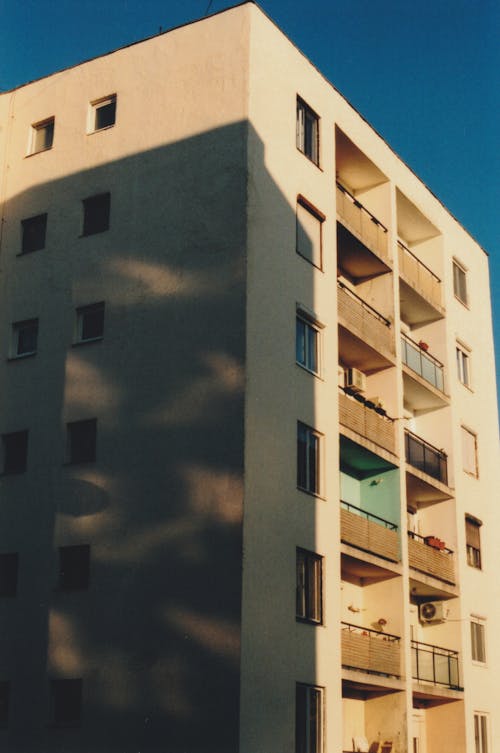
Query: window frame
{"x": 314, "y": 212}
{"x": 81, "y": 312}
{"x": 308, "y": 482}
{"x": 311, "y": 325}
{"x": 478, "y": 640}
{"x": 96, "y": 219}
{"x": 307, "y": 143}
{"x": 17, "y": 329}
{"x": 14, "y": 468}
{"x": 309, "y": 727}
{"x": 77, "y": 456}
{"x": 94, "y": 107}
{"x": 481, "y": 734}
{"x": 472, "y": 540}
{"x": 309, "y": 587}
{"x": 465, "y": 452}
{"x": 41, "y": 221}
{"x": 460, "y": 287}
{"x": 463, "y": 358}
{"x": 48, "y": 124}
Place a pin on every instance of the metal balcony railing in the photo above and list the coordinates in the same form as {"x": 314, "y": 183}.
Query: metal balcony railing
{"x": 369, "y": 516}
{"x": 422, "y": 362}
{"x": 364, "y": 320}
{"x": 419, "y": 276}
{"x": 370, "y": 650}
{"x": 435, "y": 664}
{"x": 372, "y": 233}
{"x": 426, "y": 458}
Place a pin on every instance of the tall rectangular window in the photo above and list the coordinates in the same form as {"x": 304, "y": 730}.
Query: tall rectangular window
{"x": 460, "y": 282}
{"x": 307, "y": 343}
{"x": 82, "y": 441}
{"x": 478, "y": 644}
{"x": 66, "y": 697}
{"x": 15, "y": 452}
{"x": 33, "y": 233}
{"x": 469, "y": 452}
{"x": 308, "y": 459}
{"x": 307, "y": 131}
{"x": 96, "y": 211}
{"x": 42, "y": 136}
{"x": 309, "y": 592}
{"x": 103, "y": 113}
{"x": 8, "y": 574}
{"x": 309, "y": 222}
{"x": 90, "y": 322}
{"x": 24, "y": 338}
{"x": 463, "y": 365}
{"x": 309, "y": 736}
{"x": 481, "y": 733}
{"x": 473, "y": 541}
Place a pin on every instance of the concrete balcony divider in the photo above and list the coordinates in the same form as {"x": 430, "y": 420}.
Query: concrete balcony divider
{"x": 364, "y": 321}
{"x": 427, "y": 559}
{"x": 368, "y": 534}
{"x": 370, "y": 650}
{"x": 367, "y": 422}
{"x": 362, "y": 223}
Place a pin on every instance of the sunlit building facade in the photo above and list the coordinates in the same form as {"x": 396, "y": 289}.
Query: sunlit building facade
{"x": 248, "y": 417}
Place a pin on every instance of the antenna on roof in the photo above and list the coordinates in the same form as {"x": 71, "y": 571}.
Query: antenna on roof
{"x": 208, "y": 6}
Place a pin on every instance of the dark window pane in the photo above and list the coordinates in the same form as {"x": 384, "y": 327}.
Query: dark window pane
{"x": 15, "y": 452}
{"x": 8, "y": 574}
{"x": 91, "y": 320}
{"x": 82, "y": 441}
{"x": 34, "y": 230}
{"x": 66, "y": 700}
{"x": 74, "y": 567}
{"x": 4, "y": 701}
{"x": 96, "y": 210}
{"x": 105, "y": 115}
{"x": 26, "y": 337}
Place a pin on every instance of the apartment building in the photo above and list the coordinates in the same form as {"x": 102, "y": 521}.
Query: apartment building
{"x": 248, "y": 417}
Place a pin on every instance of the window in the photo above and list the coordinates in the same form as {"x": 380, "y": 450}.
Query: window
{"x": 308, "y": 449}
{"x": 481, "y": 733}
{"x": 460, "y": 282}
{"x": 463, "y": 365}
{"x": 473, "y": 541}
{"x": 15, "y": 452}
{"x": 4, "y": 702}
{"x": 103, "y": 113}
{"x": 308, "y": 719}
{"x": 42, "y": 136}
{"x": 478, "y": 646}
{"x": 309, "y": 221}
{"x": 24, "y": 338}
{"x": 33, "y": 232}
{"x": 469, "y": 452}
{"x": 96, "y": 211}
{"x": 307, "y": 342}
{"x": 82, "y": 440}
{"x": 309, "y": 592}
{"x": 8, "y": 574}
{"x": 307, "y": 131}
{"x": 66, "y": 701}
{"x": 90, "y": 322}
{"x": 74, "y": 567}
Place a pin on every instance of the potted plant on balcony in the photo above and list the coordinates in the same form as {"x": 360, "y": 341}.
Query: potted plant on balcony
{"x": 435, "y": 542}
{"x": 423, "y": 345}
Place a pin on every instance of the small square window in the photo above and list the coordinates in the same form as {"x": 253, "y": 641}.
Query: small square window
{"x": 481, "y": 733}
{"x": 478, "y": 645}
{"x": 82, "y": 441}
{"x": 90, "y": 322}
{"x": 8, "y": 574}
{"x": 307, "y": 343}
{"x": 309, "y": 230}
{"x": 15, "y": 452}
{"x": 4, "y": 702}
{"x": 74, "y": 567}
{"x": 469, "y": 452}
{"x": 308, "y": 719}
{"x": 307, "y": 131}
{"x": 42, "y": 136}
{"x": 103, "y": 113}
{"x": 96, "y": 211}
{"x": 34, "y": 230}
{"x": 308, "y": 459}
{"x": 66, "y": 701}
{"x": 24, "y": 338}
{"x": 473, "y": 541}
{"x": 460, "y": 282}
{"x": 309, "y": 592}
{"x": 463, "y": 365}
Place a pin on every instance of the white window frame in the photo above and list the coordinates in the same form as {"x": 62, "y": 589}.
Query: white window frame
{"x": 463, "y": 356}
{"x": 308, "y": 212}
{"x": 35, "y": 130}
{"x": 306, "y": 118}
{"x": 94, "y": 107}
{"x": 470, "y": 465}
{"x": 460, "y": 287}
{"x": 311, "y": 326}
{"x": 309, "y": 597}
{"x": 478, "y": 640}
{"x": 17, "y": 328}
{"x": 481, "y": 732}
{"x": 81, "y": 312}
{"x": 310, "y": 742}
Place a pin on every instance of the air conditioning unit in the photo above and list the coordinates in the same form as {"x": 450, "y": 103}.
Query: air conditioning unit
{"x": 433, "y": 612}
{"x": 355, "y": 380}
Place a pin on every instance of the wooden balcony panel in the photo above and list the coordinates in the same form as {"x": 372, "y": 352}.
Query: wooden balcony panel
{"x": 359, "y": 221}
{"x": 370, "y": 654}
{"x": 432, "y": 561}
{"x": 369, "y": 536}
{"x": 367, "y": 423}
{"x": 364, "y": 324}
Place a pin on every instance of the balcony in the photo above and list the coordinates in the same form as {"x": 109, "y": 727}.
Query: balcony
{"x": 368, "y": 532}
{"x": 429, "y": 559}
{"x": 426, "y": 458}
{"x": 435, "y": 664}
{"x": 366, "y": 340}
{"x": 363, "y": 244}
{"x": 368, "y": 422}
{"x": 370, "y": 650}
{"x": 421, "y": 294}
{"x": 423, "y": 377}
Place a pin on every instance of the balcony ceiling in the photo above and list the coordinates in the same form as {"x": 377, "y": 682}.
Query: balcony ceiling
{"x": 359, "y": 462}
{"x": 415, "y": 309}
{"x": 364, "y": 569}
{"x": 413, "y": 226}
{"x": 433, "y": 695}
{"x": 354, "y": 169}
{"x": 356, "y": 353}
{"x": 420, "y": 396}
{"x": 362, "y": 691}
{"x": 423, "y": 490}
{"x": 426, "y": 588}
{"x": 355, "y": 259}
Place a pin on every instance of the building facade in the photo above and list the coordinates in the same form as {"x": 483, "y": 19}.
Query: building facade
{"x": 248, "y": 417}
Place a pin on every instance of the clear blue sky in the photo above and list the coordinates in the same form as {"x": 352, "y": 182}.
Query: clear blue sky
{"x": 425, "y": 74}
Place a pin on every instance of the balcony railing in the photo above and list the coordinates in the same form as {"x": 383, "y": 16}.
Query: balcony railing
{"x": 435, "y": 664}
{"x": 355, "y": 414}
{"x": 420, "y": 361}
{"x": 372, "y": 233}
{"x": 363, "y": 320}
{"x": 419, "y": 276}
{"x": 426, "y": 558}
{"x": 368, "y": 532}
{"x": 370, "y": 650}
{"x": 426, "y": 458}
